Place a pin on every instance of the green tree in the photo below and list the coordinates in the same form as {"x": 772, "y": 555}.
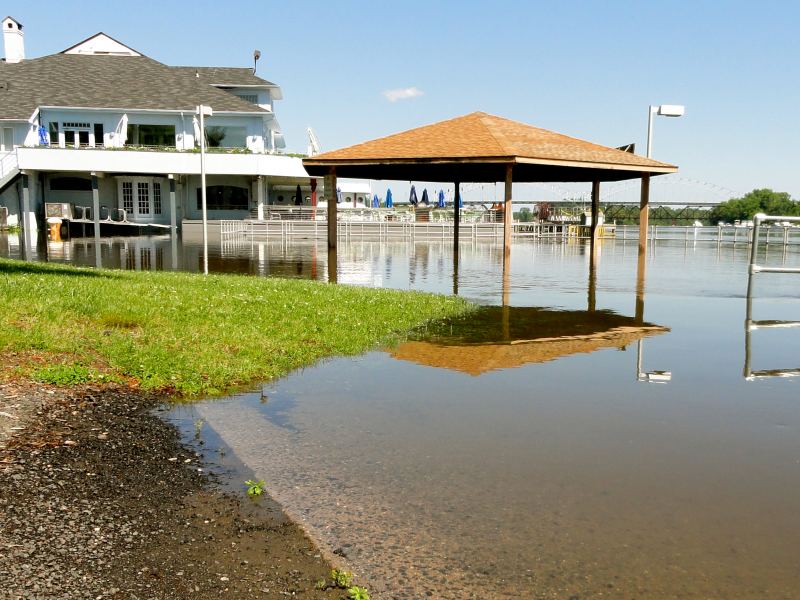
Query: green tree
{"x": 758, "y": 201}
{"x": 524, "y": 215}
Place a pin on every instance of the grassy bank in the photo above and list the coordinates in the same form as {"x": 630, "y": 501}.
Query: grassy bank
{"x": 196, "y": 334}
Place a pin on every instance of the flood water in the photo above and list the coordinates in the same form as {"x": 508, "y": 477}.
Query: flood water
{"x": 559, "y": 447}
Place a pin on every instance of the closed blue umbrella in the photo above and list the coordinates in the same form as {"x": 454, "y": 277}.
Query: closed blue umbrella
{"x": 460, "y": 203}
{"x": 389, "y": 199}
{"x": 425, "y": 200}
{"x": 441, "y": 198}
{"x": 338, "y": 195}
{"x": 375, "y": 202}
{"x": 413, "y": 196}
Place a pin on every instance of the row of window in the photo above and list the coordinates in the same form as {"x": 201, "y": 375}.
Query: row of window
{"x": 76, "y": 135}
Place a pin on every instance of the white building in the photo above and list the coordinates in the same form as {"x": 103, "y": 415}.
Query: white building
{"x": 102, "y": 116}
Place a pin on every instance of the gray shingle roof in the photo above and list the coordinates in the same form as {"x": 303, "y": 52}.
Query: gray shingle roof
{"x": 105, "y": 81}
{"x": 225, "y": 75}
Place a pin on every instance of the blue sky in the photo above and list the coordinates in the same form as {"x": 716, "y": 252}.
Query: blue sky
{"x": 584, "y": 68}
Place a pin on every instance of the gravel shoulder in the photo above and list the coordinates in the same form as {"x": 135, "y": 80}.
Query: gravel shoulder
{"x": 99, "y": 499}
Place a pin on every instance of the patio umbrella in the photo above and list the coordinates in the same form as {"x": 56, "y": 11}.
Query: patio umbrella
{"x": 460, "y": 203}
{"x": 44, "y": 139}
{"x": 299, "y": 197}
{"x": 441, "y": 199}
{"x": 338, "y": 195}
{"x": 425, "y": 197}
{"x": 375, "y": 202}
{"x": 413, "y": 196}
{"x": 389, "y": 199}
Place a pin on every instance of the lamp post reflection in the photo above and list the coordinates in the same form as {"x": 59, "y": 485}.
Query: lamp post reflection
{"x": 646, "y": 376}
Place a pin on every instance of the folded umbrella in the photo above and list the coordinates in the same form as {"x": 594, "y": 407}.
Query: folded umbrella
{"x": 389, "y": 199}
{"x": 413, "y": 196}
{"x": 375, "y": 202}
{"x": 425, "y": 200}
{"x": 441, "y": 199}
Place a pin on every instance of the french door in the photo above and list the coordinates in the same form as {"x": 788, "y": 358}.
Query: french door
{"x": 141, "y": 198}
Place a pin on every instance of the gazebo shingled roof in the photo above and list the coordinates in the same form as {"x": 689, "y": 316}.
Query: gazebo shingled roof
{"x": 476, "y": 148}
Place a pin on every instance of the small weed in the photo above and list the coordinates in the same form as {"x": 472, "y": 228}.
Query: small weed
{"x": 357, "y": 593}
{"x": 198, "y": 424}
{"x": 255, "y": 489}
{"x": 341, "y": 578}
{"x": 63, "y": 375}
{"x": 320, "y": 584}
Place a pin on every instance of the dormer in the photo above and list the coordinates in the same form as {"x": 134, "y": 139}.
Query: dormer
{"x": 101, "y": 44}
{"x": 13, "y": 40}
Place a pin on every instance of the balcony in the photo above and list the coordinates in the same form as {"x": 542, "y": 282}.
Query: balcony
{"x": 158, "y": 160}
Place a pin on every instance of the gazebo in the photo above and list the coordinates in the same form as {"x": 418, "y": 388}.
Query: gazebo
{"x": 479, "y": 148}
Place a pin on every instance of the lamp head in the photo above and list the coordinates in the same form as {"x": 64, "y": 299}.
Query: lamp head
{"x": 257, "y": 54}
{"x": 671, "y": 110}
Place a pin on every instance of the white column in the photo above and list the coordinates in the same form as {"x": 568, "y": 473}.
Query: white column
{"x": 260, "y": 198}
{"x": 173, "y": 209}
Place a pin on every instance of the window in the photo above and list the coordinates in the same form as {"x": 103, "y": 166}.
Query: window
{"x": 70, "y": 184}
{"x": 151, "y": 135}
{"x": 156, "y": 198}
{"x": 224, "y": 197}
{"x": 127, "y": 197}
{"x": 251, "y": 98}
{"x": 98, "y": 134}
{"x": 226, "y": 137}
{"x": 144, "y": 197}
{"x": 78, "y": 125}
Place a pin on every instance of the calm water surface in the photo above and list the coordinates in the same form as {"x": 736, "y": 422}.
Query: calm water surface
{"x": 525, "y": 454}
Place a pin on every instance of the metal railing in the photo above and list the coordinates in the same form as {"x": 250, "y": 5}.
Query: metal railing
{"x": 9, "y": 162}
{"x": 754, "y": 268}
{"x": 749, "y": 324}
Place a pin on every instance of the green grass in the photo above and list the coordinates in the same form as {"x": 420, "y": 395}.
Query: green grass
{"x": 197, "y": 334}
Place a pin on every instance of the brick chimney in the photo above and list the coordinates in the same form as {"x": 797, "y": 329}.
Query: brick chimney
{"x": 13, "y": 40}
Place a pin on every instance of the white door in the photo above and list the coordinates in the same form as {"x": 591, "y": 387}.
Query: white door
{"x": 142, "y": 199}
{"x": 6, "y": 138}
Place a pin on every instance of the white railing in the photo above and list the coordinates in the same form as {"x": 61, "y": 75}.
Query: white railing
{"x": 754, "y": 268}
{"x": 736, "y": 234}
{"x": 9, "y": 162}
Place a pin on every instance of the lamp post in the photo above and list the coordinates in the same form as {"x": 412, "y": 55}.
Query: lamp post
{"x": 665, "y": 110}
{"x": 204, "y": 111}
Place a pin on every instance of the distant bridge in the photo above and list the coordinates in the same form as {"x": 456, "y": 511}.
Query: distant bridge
{"x": 667, "y": 190}
{"x": 673, "y": 199}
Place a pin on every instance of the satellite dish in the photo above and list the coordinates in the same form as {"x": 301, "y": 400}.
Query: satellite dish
{"x": 314, "y": 146}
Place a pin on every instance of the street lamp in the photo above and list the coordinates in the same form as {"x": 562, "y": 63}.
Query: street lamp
{"x": 204, "y": 111}
{"x": 665, "y": 110}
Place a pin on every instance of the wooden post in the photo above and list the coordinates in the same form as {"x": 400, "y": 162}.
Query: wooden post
{"x": 644, "y": 207}
{"x": 508, "y": 215}
{"x": 644, "y": 218}
{"x": 456, "y": 233}
{"x": 456, "y": 215}
{"x": 594, "y": 228}
{"x": 330, "y": 193}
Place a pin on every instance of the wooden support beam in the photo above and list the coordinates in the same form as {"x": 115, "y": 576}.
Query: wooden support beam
{"x": 593, "y": 242}
{"x": 644, "y": 220}
{"x": 456, "y": 233}
{"x": 456, "y": 215}
{"x": 330, "y": 194}
{"x": 508, "y": 214}
{"x": 644, "y": 214}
